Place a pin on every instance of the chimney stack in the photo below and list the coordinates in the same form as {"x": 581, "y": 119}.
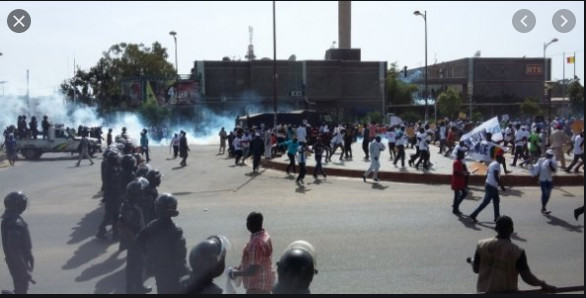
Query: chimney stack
{"x": 344, "y": 24}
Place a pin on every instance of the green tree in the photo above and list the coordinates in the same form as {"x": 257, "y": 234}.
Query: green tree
{"x": 576, "y": 94}
{"x": 100, "y": 85}
{"x": 398, "y": 92}
{"x": 152, "y": 114}
{"x": 449, "y": 104}
{"x": 530, "y": 108}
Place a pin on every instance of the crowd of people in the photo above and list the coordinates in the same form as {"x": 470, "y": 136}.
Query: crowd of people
{"x": 141, "y": 219}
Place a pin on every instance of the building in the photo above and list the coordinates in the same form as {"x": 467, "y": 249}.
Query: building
{"x": 494, "y": 86}
{"x": 342, "y": 86}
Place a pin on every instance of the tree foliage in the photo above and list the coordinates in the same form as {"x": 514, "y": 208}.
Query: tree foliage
{"x": 100, "y": 85}
{"x": 398, "y": 92}
{"x": 576, "y": 94}
{"x": 449, "y": 104}
{"x": 530, "y": 108}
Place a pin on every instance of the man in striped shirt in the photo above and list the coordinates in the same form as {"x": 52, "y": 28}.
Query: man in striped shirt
{"x": 256, "y": 265}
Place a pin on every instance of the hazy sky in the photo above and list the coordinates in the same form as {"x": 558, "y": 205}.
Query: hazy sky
{"x": 385, "y": 31}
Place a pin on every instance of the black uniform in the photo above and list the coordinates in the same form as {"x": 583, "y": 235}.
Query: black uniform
{"x": 45, "y": 126}
{"x": 256, "y": 149}
{"x": 164, "y": 247}
{"x": 16, "y": 242}
{"x": 365, "y": 141}
{"x": 131, "y": 223}
{"x": 112, "y": 200}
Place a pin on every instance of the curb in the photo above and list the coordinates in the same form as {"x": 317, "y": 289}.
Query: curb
{"x": 440, "y": 179}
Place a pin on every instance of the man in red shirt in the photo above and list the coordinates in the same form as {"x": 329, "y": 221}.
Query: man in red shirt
{"x": 459, "y": 182}
{"x": 256, "y": 265}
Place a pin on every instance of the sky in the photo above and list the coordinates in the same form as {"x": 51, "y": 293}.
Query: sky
{"x": 62, "y": 32}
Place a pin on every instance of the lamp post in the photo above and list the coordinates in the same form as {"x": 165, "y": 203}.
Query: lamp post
{"x": 424, "y": 15}
{"x": 546, "y": 90}
{"x": 274, "y": 67}
{"x": 174, "y": 34}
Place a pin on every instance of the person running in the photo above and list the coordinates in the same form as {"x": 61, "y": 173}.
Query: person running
{"x": 292, "y": 147}
{"x": 493, "y": 181}
{"x": 459, "y": 174}
{"x": 84, "y": 146}
{"x": 375, "y": 149}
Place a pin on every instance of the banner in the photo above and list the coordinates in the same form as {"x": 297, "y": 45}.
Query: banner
{"x": 474, "y": 139}
{"x": 396, "y": 121}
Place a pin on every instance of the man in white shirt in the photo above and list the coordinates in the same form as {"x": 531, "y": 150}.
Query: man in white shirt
{"x": 423, "y": 149}
{"x": 375, "y": 149}
{"x": 521, "y": 138}
{"x": 492, "y": 183}
{"x": 578, "y": 153}
{"x": 547, "y": 167}
{"x": 402, "y": 140}
{"x": 301, "y": 133}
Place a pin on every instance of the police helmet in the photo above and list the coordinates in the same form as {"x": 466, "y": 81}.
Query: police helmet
{"x": 15, "y": 201}
{"x": 128, "y": 162}
{"x": 135, "y": 188}
{"x": 154, "y": 177}
{"x": 166, "y": 206}
{"x": 297, "y": 265}
{"x": 208, "y": 257}
{"x": 143, "y": 170}
{"x": 114, "y": 158}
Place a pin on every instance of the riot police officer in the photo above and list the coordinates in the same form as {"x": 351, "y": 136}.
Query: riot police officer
{"x": 112, "y": 196}
{"x": 16, "y": 242}
{"x": 207, "y": 261}
{"x": 130, "y": 224}
{"x": 151, "y": 194}
{"x": 163, "y": 244}
{"x": 128, "y": 164}
{"x": 296, "y": 269}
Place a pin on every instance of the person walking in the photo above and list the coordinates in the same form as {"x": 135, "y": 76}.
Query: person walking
{"x": 144, "y": 144}
{"x": 578, "y": 153}
{"x": 11, "y": 149}
{"x": 84, "y": 146}
{"x": 402, "y": 139}
{"x": 318, "y": 149}
{"x": 376, "y": 148}
{"x": 256, "y": 149}
{"x": 459, "y": 174}
{"x": 301, "y": 160}
{"x": 258, "y": 276}
{"x": 183, "y": 149}
{"x": 498, "y": 262}
{"x": 109, "y": 140}
{"x": 365, "y": 140}
{"x": 223, "y": 137}
{"x": 292, "y": 147}
{"x": 175, "y": 145}
{"x": 557, "y": 140}
{"x": 492, "y": 182}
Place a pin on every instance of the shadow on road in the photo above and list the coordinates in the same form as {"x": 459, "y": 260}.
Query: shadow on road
{"x": 87, "y": 226}
{"x": 554, "y": 221}
{"x": 565, "y": 193}
{"x": 109, "y": 265}
{"x": 516, "y": 236}
{"x": 112, "y": 284}
{"x": 511, "y": 193}
{"x": 379, "y": 186}
{"x": 302, "y": 190}
{"x": 182, "y": 193}
{"x": 178, "y": 168}
{"x": 468, "y": 223}
{"x": 87, "y": 252}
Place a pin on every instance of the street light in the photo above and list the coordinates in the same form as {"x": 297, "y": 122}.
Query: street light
{"x": 174, "y": 34}
{"x": 424, "y": 15}
{"x": 274, "y": 66}
{"x": 545, "y": 90}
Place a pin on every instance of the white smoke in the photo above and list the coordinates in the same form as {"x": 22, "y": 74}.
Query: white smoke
{"x": 59, "y": 111}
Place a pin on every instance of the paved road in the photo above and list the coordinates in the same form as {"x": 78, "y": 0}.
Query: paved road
{"x": 370, "y": 238}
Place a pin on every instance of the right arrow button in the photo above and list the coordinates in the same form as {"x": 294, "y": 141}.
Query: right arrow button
{"x": 563, "y": 21}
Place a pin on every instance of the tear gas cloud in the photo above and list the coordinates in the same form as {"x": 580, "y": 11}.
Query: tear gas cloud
{"x": 59, "y": 111}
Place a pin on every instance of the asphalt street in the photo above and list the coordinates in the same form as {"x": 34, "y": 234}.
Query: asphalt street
{"x": 369, "y": 238}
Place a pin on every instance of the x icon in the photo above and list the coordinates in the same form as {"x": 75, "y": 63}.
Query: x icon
{"x": 19, "y": 21}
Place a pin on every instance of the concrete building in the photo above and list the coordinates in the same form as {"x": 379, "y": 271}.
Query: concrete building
{"x": 494, "y": 86}
{"x": 345, "y": 88}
